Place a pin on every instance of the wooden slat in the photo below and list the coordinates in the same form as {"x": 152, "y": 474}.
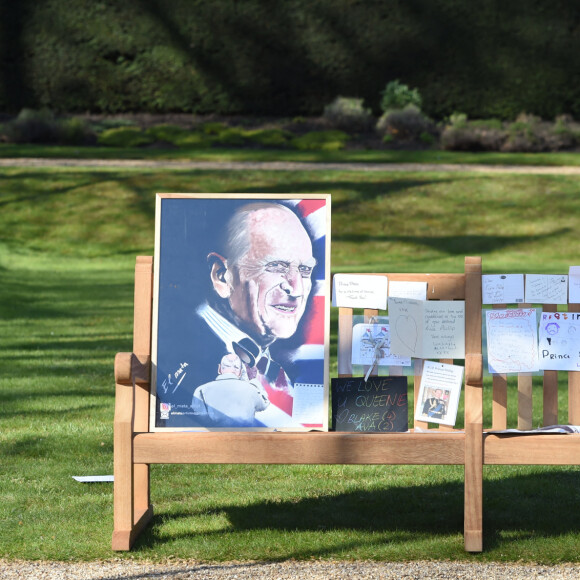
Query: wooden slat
{"x": 499, "y": 386}
{"x": 345, "y": 342}
{"x": 439, "y": 286}
{"x": 473, "y": 499}
{"x": 142, "y": 327}
{"x": 532, "y": 449}
{"x": 123, "y": 461}
{"x": 574, "y": 386}
{"x": 132, "y": 507}
{"x": 525, "y": 407}
{"x": 499, "y": 402}
{"x": 525, "y": 402}
{"x": 417, "y": 374}
{"x": 574, "y": 398}
{"x": 447, "y": 361}
{"x": 300, "y": 448}
{"x": 370, "y": 316}
{"x": 142, "y": 312}
{"x": 550, "y": 391}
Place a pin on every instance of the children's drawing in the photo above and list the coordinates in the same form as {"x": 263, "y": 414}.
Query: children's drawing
{"x": 512, "y": 340}
{"x": 559, "y": 341}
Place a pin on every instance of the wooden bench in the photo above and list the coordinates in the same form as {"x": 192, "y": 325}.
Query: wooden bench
{"x": 533, "y": 449}
{"x": 136, "y": 448}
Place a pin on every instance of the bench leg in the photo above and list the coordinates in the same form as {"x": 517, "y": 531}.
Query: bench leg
{"x": 473, "y": 523}
{"x": 131, "y": 504}
{"x": 132, "y": 510}
{"x": 123, "y": 488}
{"x": 473, "y": 508}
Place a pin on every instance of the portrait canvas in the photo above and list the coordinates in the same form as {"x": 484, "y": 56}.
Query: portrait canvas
{"x": 241, "y": 312}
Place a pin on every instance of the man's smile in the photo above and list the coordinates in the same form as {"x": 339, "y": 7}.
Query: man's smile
{"x": 285, "y": 308}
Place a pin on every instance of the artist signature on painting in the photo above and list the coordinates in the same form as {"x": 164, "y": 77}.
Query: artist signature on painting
{"x": 175, "y": 379}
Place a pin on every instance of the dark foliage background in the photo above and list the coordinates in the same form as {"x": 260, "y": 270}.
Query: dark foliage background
{"x": 489, "y": 58}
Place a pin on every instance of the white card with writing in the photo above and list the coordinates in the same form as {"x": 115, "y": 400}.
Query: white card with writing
{"x": 439, "y": 393}
{"x": 574, "y": 285}
{"x": 415, "y": 290}
{"x": 547, "y": 288}
{"x": 427, "y": 329}
{"x": 373, "y": 341}
{"x": 308, "y": 404}
{"x": 559, "y": 341}
{"x": 502, "y": 288}
{"x": 359, "y": 291}
{"x": 512, "y": 340}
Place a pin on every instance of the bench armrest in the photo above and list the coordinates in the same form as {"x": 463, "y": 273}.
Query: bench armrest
{"x": 132, "y": 369}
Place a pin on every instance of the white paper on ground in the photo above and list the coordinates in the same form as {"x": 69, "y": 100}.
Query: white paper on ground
{"x": 93, "y": 478}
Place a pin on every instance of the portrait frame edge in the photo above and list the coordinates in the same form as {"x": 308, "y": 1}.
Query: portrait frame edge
{"x": 324, "y": 288}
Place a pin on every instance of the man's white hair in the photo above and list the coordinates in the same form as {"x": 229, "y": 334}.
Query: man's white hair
{"x": 237, "y": 243}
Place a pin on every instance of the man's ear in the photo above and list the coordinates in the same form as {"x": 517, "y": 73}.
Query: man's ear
{"x": 218, "y": 269}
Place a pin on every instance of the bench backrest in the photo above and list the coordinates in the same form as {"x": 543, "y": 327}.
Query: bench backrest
{"x": 449, "y": 286}
{"x": 552, "y": 385}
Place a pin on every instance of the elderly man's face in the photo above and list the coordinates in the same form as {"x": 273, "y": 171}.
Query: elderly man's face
{"x": 232, "y": 364}
{"x": 271, "y": 284}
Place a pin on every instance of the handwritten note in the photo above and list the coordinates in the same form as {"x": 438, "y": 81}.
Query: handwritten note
{"x": 574, "y": 285}
{"x": 427, "y": 329}
{"x": 359, "y": 291}
{"x": 308, "y": 405}
{"x": 547, "y": 288}
{"x": 502, "y": 288}
{"x": 512, "y": 340}
{"x": 415, "y": 290}
{"x": 370, "y": 340}
{"x": 439, "y": 393}
{"x": 559, "y": 341}
{"x": 379, "y": 404}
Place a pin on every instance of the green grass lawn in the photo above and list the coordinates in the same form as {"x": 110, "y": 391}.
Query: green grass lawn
{"x": 249, "y": 154}
{"x": 68, "y": 241}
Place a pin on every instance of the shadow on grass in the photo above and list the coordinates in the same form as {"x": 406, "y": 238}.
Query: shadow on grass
{"x": 373, "y": 186}
{"x": 539, "y": 505}
{"x": 455, "y": 245}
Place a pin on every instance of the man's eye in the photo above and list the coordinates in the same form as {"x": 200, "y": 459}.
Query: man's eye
{"x": 278, "y": 267}
{"x": 305, "y": 271}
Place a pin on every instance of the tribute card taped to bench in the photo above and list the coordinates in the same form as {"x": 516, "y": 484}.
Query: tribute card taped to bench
{"x": 378, "y": 404}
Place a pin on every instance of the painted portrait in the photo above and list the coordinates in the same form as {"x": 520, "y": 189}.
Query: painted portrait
{"x": 241, "y": 312}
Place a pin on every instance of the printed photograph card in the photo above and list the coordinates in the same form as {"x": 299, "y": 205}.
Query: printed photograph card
{"x": 439, "y": 393}
{"x": 427, "y": 329}
{"x": 512, "y": 340}
{"x": 559, "y": 341}
{"x": 241, "y": 312}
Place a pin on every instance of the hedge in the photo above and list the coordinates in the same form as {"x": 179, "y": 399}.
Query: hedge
{"x": 485, "y": 58}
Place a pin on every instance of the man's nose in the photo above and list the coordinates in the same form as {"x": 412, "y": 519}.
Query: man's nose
{"x": 292, "y": 282}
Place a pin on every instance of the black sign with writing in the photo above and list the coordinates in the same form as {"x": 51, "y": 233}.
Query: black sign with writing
{"x": 379, "y": 404}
